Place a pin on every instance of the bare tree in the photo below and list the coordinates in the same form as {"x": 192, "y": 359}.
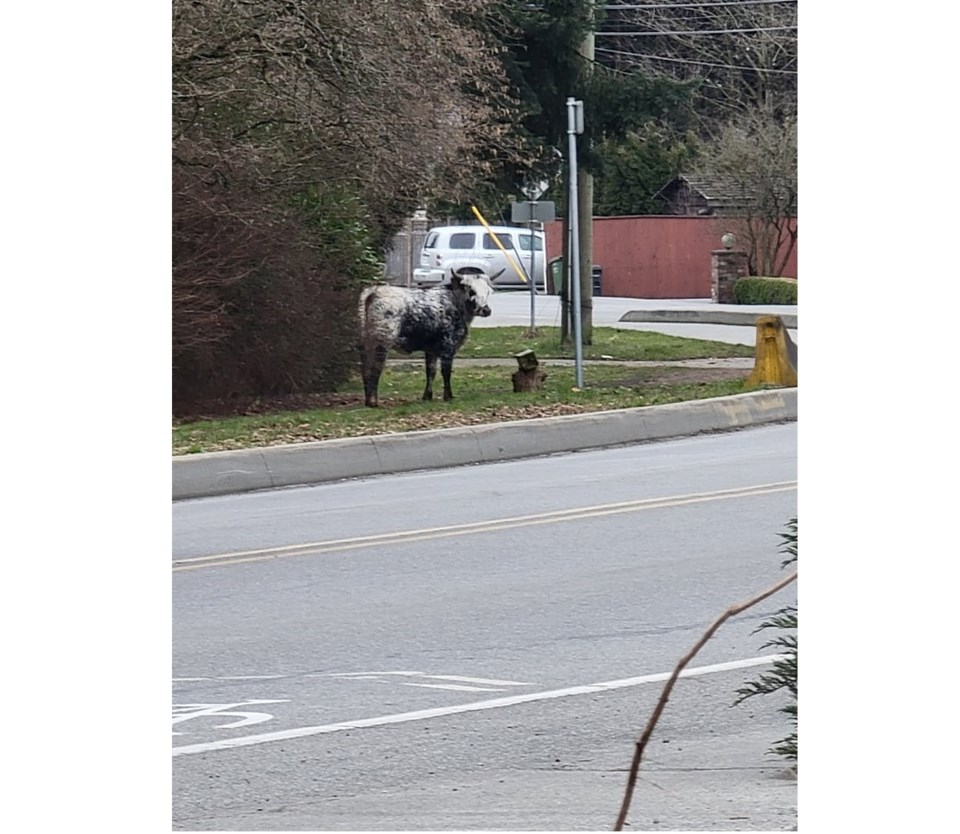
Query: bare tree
{"x": 740, "y": 59}
{"x": 303, "y": 132}
{"x": 740, "y": 54}
{"x": 757, "y": 157}
{"x": 400, "y": 99}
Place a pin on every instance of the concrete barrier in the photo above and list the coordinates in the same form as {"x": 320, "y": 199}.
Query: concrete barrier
{"x": 776, "y": 355}
{"x": 302, "y": 464}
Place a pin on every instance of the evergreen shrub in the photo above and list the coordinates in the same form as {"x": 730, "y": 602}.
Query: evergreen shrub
{"x": 783, "y": 674}
{"x": 759, "y": 290}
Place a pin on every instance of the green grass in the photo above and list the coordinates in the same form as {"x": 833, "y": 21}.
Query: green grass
{"x": 499, "y": 342}
{"x": 482, "y": 393}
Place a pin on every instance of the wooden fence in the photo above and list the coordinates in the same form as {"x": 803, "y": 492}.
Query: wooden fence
{"x": 640, "y": 256}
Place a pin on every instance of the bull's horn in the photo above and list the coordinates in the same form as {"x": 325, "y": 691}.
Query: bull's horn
{"x": 497, "y": 274}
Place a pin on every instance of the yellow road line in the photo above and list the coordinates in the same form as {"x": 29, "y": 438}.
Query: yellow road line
{"x": 493, "y": 525}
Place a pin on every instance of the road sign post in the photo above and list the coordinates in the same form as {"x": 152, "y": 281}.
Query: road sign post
{"x": 534, "y": 213}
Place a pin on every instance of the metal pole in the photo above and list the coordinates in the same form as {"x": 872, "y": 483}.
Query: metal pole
{"x": 573, "y": 211}
{"x": 533, "y": 282}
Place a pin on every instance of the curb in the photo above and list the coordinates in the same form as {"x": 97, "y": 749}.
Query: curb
{"x": 304, "y": 464}
{"x": 705, "y": 317}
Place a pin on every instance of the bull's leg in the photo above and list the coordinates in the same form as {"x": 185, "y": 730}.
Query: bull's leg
{"x": 446, "y": 366}
{"x": 371, "y": 368}
{"x": 430, "y": 367}
{"x": 364, "y": 371}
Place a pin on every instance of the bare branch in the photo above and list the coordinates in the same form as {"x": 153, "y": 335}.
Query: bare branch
{"x": 742, "y": 55}
{"x": 668, "y": 688}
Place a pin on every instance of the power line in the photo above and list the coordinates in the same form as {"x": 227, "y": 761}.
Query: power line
{"x": 696, "y": 63}
{"x": 694, "y": 32}
{"x": 624, "y": 7}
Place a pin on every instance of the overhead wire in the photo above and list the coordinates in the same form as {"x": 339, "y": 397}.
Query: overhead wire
{"x": 687, "y": 61}
{"x": 693, "y": 32}
{"x": 638, "y": 7}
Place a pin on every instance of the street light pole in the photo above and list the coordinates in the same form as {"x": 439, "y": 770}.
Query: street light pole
{"x": 575, "y": 126}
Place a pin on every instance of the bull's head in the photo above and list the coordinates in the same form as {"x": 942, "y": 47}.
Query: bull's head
{"x": 472, "y": 271}
{"x": 476, "y": 292}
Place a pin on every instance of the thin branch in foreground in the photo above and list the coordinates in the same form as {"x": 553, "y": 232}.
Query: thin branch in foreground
{"x": 668, "y": 688}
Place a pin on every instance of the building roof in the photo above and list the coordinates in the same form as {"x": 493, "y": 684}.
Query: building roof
{"x": 696, "y": 194}
{"x": 707, "y": 195}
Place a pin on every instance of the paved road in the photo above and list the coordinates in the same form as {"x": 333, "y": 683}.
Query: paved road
{"x": 358, "y": 651}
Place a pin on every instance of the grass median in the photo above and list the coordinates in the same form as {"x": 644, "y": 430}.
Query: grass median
{"x": 483, "y": 393}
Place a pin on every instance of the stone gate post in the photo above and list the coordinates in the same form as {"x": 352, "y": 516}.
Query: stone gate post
{"x": 728, "y": 266}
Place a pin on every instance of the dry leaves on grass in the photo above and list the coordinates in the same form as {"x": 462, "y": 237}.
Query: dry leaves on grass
{"x": 297, "y": 419}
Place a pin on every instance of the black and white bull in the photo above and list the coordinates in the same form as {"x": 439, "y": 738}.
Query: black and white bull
{"x": 435, "y": 321}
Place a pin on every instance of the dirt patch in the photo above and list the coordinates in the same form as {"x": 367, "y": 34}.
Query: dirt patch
{"x": 249, "y": 406}
{"x": 678, "y": 375}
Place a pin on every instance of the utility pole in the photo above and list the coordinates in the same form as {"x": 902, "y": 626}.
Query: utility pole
{"x": 583, "y": 188}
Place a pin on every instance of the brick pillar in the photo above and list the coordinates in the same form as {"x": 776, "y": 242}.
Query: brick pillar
{"x": 728, "y": 266}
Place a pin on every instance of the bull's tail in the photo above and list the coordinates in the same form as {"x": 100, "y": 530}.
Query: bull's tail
{"x": 366, "y": 299}
{"x": 373, "y": 354}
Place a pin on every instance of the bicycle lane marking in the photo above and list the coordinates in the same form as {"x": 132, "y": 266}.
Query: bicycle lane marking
{"x": 186, "y": 712}
{"x": 183, "y": 712}
{"x": 475, "y": 706}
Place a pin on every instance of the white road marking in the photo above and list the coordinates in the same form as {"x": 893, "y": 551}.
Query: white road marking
{"x": 459, "y": 687}
{"x": 476, "y": 706}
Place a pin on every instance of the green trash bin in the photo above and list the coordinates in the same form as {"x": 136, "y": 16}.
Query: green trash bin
{"x": 556, "y": 275}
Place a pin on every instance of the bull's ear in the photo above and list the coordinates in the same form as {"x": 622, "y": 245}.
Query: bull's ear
{"x": 455, "y": 278}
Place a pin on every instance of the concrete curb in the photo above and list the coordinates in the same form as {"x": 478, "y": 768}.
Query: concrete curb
{"x": 302, "y": 464}
{"x": 705, "y": 317}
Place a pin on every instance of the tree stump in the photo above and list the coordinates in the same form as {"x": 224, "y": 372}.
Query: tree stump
{"x": 530, "y": 377}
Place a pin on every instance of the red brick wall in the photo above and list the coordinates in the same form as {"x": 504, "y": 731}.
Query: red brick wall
{"x": 653, "y": 257}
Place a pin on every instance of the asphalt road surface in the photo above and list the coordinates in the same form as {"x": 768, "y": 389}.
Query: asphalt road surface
{"x": 480, "y": 647}
{"x": 512, "y": 309}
